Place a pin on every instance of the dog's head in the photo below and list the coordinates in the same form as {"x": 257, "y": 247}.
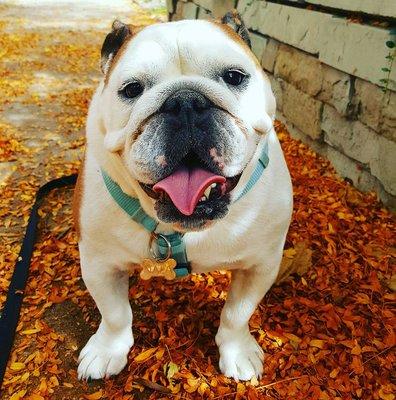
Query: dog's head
{"x": 185, "y": 105}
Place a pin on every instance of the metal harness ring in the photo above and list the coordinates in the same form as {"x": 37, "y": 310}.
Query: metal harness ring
{"x": 156, "y": 256}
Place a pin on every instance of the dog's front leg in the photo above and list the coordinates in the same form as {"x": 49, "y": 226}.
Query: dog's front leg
{"x": 107, "y": 350}
{"x": 240, "y": 355}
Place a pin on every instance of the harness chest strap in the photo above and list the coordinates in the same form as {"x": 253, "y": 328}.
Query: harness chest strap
{"x": 170, "y": 259}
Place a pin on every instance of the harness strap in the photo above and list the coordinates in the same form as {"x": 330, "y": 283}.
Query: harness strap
{"x": 129, "y": 204}
{"x": 132, "y": 207}
{"x": 179, "y": 252}
{"x": 258, "y": 171}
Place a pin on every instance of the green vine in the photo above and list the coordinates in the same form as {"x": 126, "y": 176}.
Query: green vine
{"x": 391, "y": 45}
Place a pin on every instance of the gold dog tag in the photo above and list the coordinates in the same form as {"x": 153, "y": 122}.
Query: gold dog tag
{"x": 151, "y": 268}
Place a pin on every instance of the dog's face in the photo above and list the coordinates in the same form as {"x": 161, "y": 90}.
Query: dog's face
{"x": 185, "y": 105}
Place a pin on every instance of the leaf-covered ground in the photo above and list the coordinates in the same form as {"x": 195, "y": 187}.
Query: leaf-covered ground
{"x": 327, "y": 334}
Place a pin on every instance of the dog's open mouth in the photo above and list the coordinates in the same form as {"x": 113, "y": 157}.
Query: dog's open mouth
{"x": 192, "y": 190}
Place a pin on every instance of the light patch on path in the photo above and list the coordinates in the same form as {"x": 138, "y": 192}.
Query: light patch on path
{"x": 75, "y": 14}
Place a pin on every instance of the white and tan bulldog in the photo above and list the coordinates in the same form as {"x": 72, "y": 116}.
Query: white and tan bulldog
{"x": 178, "y": 123}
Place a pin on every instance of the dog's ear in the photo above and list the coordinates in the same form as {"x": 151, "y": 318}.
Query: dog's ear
{"x": 113, "y": 42}
{"x": 235, "y": 22}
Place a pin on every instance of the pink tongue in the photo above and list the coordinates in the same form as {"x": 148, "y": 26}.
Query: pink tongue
{"x": 186, "y": 186}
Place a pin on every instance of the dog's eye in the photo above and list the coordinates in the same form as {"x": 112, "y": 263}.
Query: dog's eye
{"x": 234, "y": 77}
{"x": 132, "y": 89}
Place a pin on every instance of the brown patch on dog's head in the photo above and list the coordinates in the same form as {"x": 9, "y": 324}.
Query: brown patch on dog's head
{"x": 233, "y": 24}
{"x": 113, "y": 46}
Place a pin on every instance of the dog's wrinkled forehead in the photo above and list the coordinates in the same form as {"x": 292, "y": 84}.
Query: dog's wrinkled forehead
{"x": 183, "y": 48}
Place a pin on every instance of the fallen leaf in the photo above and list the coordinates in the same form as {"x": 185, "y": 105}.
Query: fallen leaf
{"x": 145, "y": 355}
{"x": 296, "y": 261}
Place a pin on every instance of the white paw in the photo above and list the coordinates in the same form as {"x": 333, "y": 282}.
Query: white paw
{"x": 241, "y": 357}
{"x": 99, "y": 359}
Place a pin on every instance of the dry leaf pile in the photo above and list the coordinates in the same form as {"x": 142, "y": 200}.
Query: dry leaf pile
{"x": 327, "y": 330}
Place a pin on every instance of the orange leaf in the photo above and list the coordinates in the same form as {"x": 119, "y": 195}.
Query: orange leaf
{"x": 145, "y": 355}
{"x": 94, "y": 396}
{"x": 317, "y": 343}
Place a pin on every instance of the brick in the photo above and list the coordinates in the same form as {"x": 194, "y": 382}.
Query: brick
{"x": 300, "y": 69}
{"x": 302, "y": 110}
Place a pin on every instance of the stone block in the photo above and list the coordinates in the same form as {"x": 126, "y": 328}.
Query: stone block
{"x": 269, "y": 55}
{"x": 388, "y": 200}
{"x": 361, "y": 143}
{"x": 259, "y": 43}
{"x": 204, "y": 14}
{"x": 383, "y": 165}
{"x": 368, "y": 98}
{"x": 357, "y": 49}
{"x": 178, "y": 13}
{"x": 300, "y": 69}
{"x": 316, "y": 145}
{"x": 217, "y": 7}
{"x": 363, "y": 49}
{"x": 297, "y": 27}
{"x": 386, "y": 8}
{"x": 276, "y": 86}
{"x": 169, "y": 6}
{"x": 248, "y": 10}
{"x": 388, "y": 119}
{"x": 352, "y": 170}
{"x": 189, "y": 10}
{"x": 302, "y": 110}
{"x": 337, "y": 90}
{"x": 352, "y": 138}
{"x": 206, "y": 4}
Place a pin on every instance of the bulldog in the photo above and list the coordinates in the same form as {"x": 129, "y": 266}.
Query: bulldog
{"x": 177, "y": 132}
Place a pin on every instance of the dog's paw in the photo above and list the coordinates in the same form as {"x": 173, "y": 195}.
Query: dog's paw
{"x": 241, "y": 358}
{"x": 98, "y": 359}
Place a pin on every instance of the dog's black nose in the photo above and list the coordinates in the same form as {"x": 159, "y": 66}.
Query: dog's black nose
{"x": 185, "y": 102}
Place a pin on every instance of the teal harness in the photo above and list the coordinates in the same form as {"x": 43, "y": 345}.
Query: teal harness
{"x": 171, "y": 245}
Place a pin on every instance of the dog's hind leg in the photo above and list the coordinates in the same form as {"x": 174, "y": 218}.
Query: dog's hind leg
{"x": 240, "y": 355}
{"x": 107, "y": 350}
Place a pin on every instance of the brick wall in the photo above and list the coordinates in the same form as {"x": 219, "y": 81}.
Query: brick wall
{"x": 325, "y": 73}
